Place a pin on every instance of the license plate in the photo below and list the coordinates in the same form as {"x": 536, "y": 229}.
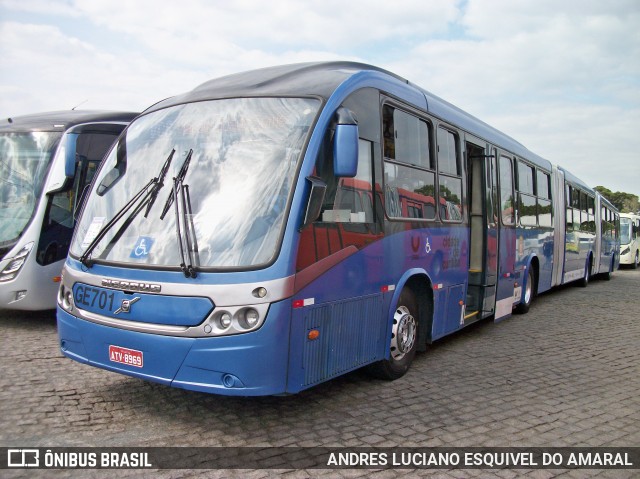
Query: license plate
{"x": 130, "y": 357}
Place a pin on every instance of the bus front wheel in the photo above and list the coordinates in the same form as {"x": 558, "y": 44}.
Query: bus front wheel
{"x": 404, "y": 339}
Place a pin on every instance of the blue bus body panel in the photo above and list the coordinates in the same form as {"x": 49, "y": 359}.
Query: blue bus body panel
{"x": 534, "y": 242}
{"x": 353, "y": 316}
{"x": 351, "y": 334}
{"x": 240, "y": 365}
{"x": 507, "y": 274}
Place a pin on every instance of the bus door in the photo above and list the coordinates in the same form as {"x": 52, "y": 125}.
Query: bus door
{"x": 506, "y": 221}
{"x": 483, "y": 231}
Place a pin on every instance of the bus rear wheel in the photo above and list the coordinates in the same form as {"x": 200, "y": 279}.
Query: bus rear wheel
{"x": 529, "y": 292}
{"x": 404, "y": 339}
{"x": 607, "y": 276}
{"x": 583, "y": 283}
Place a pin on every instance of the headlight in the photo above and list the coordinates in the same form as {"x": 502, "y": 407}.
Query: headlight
{"x": 65, "y": 297}
{"x": 248, "y": 318}
{"x": 12, "y": 269}
{"x": 626, "y": 250}
{"x": 235, "y": 320}
{"x": 224, "y": 320}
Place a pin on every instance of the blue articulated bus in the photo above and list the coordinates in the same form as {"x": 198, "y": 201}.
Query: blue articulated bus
{"x": 47, "y": 161}
{"x": 274, "y": 229}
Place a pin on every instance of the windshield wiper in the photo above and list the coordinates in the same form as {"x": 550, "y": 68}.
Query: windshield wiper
{"x": 148, "y": 193}
{"x": 181, "y": 200}
{"x": 160, "y": 183}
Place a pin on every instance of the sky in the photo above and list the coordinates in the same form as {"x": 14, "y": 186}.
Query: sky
{"x": 560, "y": 76}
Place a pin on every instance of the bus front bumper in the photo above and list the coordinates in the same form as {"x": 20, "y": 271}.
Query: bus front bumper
{"x": 33, "y": 289}
{"x": 252, "y": 364}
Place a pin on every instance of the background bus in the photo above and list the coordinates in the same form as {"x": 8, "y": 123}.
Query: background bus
{"x": 607, "y": 244}
{"x": 321, "y": 218}
{"x": 629, "y": 239}
{"x": 47, "y": 160}
{"x": 591, "y": 232}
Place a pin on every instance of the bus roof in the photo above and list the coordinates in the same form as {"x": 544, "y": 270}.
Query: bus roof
{"x": 575, "y": 180}
{"x": 323, "y": 78}
{"x": 606, "y": 202}
{"x": 300, "y": 79}
{"x": 62, "y": 120}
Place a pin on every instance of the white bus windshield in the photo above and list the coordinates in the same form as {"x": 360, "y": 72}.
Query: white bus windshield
{"x": 625, "y": 231}
{"x": 24, "y": 161}
{"x": 232, "y": 163}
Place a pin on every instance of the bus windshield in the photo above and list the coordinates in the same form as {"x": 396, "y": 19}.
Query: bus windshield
{"x": 24, "y": 160}
{"x": 212, "y": 177}
{"x": 625, "y": 230}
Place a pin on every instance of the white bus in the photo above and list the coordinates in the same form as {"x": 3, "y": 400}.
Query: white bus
{"x": 47, "y": 160}
{"x": 629, "y": 239}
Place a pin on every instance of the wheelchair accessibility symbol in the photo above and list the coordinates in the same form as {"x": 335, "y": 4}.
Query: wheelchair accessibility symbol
{"x": 142, "y": 248}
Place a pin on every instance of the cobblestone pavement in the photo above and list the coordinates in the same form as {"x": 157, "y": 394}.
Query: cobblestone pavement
{"x": 566, "y": 374}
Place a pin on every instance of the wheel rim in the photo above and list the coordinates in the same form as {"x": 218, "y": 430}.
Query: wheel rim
{"x": 403, "y": 335}
{"x": 528, "y": 291}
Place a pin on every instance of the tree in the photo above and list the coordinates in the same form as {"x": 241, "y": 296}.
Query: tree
{"x": 625, "y": 202}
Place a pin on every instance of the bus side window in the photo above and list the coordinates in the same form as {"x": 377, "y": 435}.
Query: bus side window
{"x": 591, "y": 205}
{"x": 542, "y": 181}
{"x": 408, "y": 166}
{"x": 545, "y": 209}
{"x": 569, "y": 213}
{"x": 527, "y": 207}
{"x": 525, "y": 178}
{"x": 347, "y": 215}
{"x": 585, "y": 224}
{"x": 450, "y": 181}
{"x": 506, "y": 191}
{"x": 574, "y": 199}
{"x": 352, "y": 202}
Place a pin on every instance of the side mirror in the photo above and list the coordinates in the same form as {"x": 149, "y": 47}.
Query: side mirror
{"x": 70, "y": 154}
{"x": 316, "y": 198}
{"x": 345, "y": 145}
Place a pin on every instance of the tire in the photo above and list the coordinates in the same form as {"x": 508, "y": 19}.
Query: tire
{"x": 584, "y": 282}
{"x": 528, "y": 293}
{"x": 404, "y": 340}
{"x": 636, "y": 261}
{"x": 609, "y": 274}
